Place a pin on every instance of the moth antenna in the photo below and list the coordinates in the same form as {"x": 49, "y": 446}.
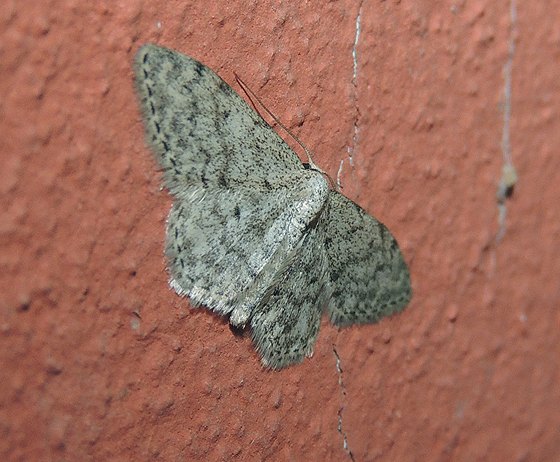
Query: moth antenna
{"x": 313, "y": 165}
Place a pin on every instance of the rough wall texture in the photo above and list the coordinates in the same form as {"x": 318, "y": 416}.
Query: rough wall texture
{"x": 100, "y": 361}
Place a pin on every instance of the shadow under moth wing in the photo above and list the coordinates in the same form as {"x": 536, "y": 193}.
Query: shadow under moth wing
{"x": 252, "y": 234}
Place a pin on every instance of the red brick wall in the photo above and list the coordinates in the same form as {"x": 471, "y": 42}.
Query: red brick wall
{"x": 101, "y": 361}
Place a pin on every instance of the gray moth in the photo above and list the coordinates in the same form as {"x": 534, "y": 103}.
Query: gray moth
{"x": 254, "y": 233}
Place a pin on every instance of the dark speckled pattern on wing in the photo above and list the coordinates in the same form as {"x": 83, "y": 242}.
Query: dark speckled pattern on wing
{"x": 253, "y": 234}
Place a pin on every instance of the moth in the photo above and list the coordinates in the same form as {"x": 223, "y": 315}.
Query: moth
{"x": 254, "y": 233}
